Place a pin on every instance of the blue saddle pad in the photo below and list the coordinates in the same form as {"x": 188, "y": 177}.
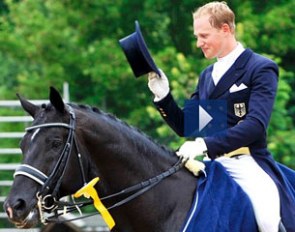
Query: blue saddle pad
{"x": 219, "y": 205}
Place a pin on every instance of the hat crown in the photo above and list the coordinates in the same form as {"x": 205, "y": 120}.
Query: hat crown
{"x": 137, "y": 53}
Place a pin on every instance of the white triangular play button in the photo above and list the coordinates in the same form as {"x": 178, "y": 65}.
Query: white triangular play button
{"x": 204, "y": 118}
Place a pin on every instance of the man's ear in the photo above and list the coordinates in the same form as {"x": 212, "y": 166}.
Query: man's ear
{"x": 225, "y": 28}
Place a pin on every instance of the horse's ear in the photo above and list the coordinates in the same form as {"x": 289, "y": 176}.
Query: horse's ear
{"x": 56, "y": 100}
{"x": 28, "y": 106}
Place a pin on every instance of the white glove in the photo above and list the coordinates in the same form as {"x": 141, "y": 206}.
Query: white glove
{"x": 158, "y": 85}
{"x": 195, "y": 166}
{"x": 192, "y": 149}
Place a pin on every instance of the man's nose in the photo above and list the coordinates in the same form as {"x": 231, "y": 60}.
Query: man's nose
{"x": 199, "y": 43}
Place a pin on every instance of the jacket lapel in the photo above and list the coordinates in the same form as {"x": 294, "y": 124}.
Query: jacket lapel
{"x": 235, "y": 72}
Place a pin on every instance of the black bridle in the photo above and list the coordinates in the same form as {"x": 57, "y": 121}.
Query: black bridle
{"x": 50, "y": 184}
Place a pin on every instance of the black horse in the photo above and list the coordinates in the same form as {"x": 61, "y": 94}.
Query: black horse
{"x": 123, "y": 155}
{"x": 68, "y": 145}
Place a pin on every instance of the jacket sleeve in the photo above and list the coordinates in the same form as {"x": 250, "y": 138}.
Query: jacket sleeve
{"x": 171, "y": 113}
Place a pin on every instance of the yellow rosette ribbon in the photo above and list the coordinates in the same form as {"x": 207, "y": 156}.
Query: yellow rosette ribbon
{"x": 89, "y": 191}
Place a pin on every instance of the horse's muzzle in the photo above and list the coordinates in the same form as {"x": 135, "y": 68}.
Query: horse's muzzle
{"x": 19, "y": 218}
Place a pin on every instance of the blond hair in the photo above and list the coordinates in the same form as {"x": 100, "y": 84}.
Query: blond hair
{"x": 219, "y": 13}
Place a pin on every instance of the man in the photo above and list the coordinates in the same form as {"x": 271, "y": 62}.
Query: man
{"x": 247, "y": 81}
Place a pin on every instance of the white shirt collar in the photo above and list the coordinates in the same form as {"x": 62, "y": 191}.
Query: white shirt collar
{"x": 223, "y": 64}
{"x": 233, "y": 55}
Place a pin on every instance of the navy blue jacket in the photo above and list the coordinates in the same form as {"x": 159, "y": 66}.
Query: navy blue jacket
{"x": 259, "y": 78}
{"x": 259, "y": 75}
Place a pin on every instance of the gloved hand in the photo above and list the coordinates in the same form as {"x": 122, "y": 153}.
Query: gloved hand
{"x": 195, "y": 166}
{"x": 192, "y": 149}
{"x": 158, "y": 85}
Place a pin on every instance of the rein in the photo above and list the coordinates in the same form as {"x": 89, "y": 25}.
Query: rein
{"x": 47, "y": 202}
{"x": 136, "y": 190}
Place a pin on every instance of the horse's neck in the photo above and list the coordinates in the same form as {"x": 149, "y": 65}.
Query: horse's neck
{"x": 124, "y": 155}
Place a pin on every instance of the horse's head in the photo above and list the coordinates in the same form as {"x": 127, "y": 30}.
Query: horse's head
{"x": 50, "y": 161}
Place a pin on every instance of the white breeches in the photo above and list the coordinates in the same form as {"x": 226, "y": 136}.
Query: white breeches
{"x": 260, "y": 188}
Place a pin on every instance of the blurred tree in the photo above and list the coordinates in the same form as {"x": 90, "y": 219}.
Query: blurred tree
{"x": 45, "y": 43}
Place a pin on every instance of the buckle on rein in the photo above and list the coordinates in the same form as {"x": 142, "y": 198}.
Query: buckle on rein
{"x": 88, "y": 191}
{"x": 43, "y": 206}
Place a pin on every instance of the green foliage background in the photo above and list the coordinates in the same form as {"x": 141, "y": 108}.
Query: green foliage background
{"x": 48, "y": 42}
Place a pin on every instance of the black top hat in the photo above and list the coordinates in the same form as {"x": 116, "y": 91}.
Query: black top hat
{"x": 137, "y": 53}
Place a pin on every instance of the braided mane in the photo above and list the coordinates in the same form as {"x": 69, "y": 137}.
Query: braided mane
{"x": 120, "y": 123}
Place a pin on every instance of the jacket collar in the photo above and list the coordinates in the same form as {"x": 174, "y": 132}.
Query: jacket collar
{"x": 232, "y": 75}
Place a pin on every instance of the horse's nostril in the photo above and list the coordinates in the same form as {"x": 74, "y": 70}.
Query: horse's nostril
{"x": 9, "y": 212}
{"x": 19, "y": 204}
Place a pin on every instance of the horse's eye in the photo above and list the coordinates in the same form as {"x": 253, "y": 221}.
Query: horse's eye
{"x": 56, "y": 143}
